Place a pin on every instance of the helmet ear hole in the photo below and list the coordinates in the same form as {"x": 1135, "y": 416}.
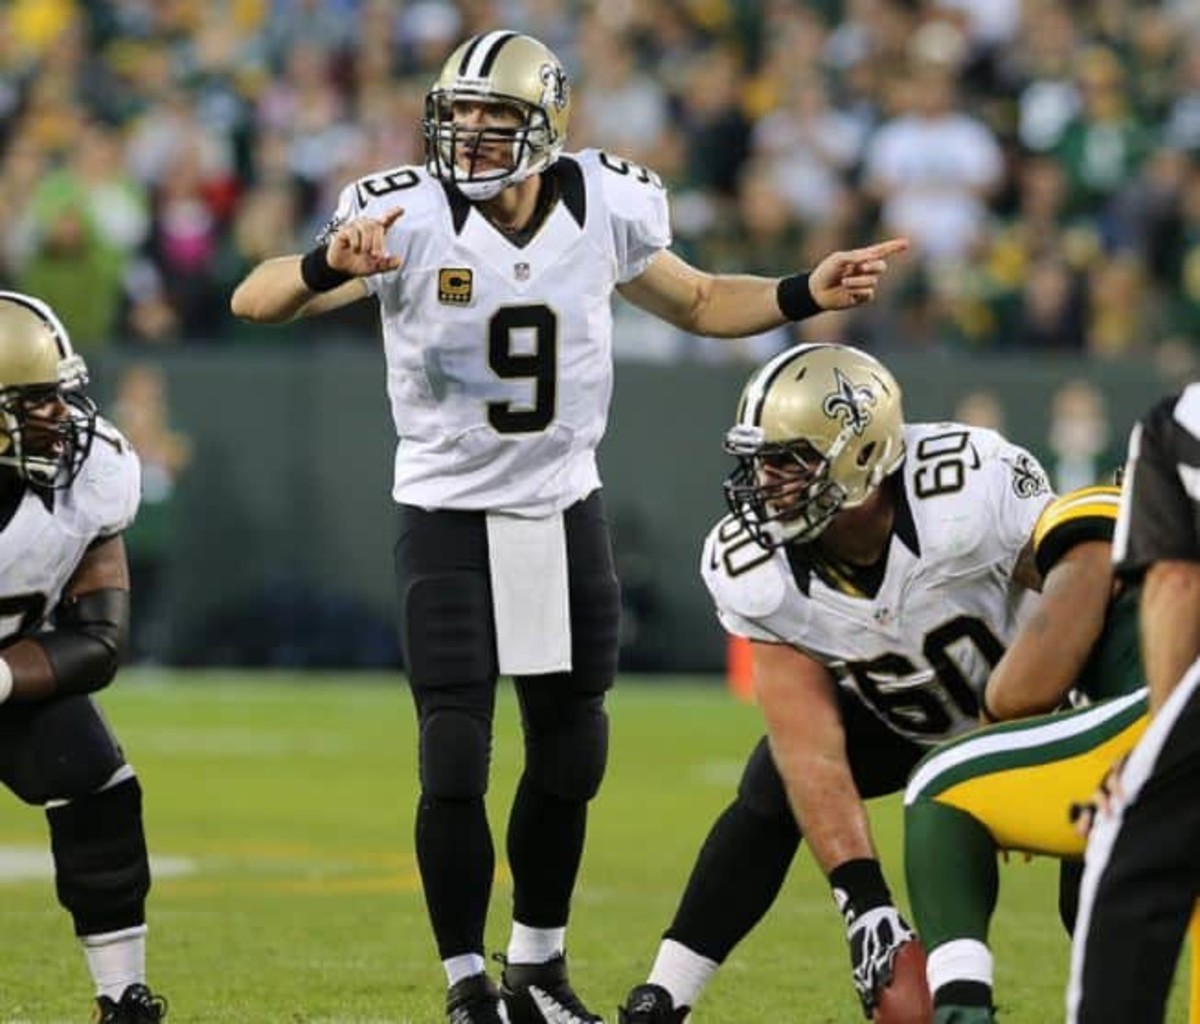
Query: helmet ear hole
{"x": 865, "y": 454}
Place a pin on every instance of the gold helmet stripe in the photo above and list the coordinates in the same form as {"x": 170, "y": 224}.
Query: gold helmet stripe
{"x": 750, "y": 412}
{"x": 44, "y": 313}
{"x": 482, "y": 53}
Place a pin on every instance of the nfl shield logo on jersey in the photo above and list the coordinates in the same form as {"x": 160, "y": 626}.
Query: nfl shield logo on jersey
{"x": 521, "y": 271}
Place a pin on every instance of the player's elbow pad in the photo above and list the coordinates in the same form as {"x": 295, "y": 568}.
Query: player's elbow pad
{"x": 88, "y": 641}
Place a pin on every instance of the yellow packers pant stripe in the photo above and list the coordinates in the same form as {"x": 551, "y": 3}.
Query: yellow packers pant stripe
{"x": 1019, "y": 780}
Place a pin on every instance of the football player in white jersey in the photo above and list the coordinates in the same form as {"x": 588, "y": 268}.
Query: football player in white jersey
{"x": 494, "y": 267}
{"x": 879, "y": 569}
{"x": 69, "y": 484}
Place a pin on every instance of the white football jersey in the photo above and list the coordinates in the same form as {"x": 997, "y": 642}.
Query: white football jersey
{"x": 919, "y": 651}
{"x": 41, "y": 546}
{"x": 499, "y": 356}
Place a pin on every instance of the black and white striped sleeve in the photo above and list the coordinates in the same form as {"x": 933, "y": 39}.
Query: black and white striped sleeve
{"x": 1159, "y": 517}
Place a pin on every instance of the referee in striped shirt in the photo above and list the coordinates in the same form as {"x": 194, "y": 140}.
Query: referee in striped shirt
{"x": 1143, "y": 857}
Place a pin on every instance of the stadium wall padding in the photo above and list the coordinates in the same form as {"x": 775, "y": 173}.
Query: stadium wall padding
{"x": 283, "y": 526}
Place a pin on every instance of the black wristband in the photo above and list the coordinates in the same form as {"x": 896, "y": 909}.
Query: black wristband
{"x": 317, "y": 274}
{"x": 859, "y": 886}
{"x": 795, "y": 298}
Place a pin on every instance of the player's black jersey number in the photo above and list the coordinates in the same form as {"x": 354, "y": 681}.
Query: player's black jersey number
{"x": 736, "y": 551}
{"x": 20, "y": 614}
{"x": 394, "y": 181}
{"x": 523, "y": 345}
{"x": 942, "y": 463}
{"x": 892, "y": 684}
{"x": 619, "y": 166}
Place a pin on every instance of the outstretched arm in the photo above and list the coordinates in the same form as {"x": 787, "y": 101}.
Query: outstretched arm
{"x": 737, "y": 305}
{"x": 799, "y": 703}
{"x": 326, "y": 278}
{"x": 808, "y": 742}
{"x": 1052, "y": 646}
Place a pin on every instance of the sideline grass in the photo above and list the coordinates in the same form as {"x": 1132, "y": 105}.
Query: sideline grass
{"x": 292, "y": 799}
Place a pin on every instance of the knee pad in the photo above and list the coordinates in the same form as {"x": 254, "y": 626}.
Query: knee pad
{"x": 567, "y": 760}
{"x": 64, "y": 752}
{"x": 102, "y": 873}
{"x": 595, "y": 630}
{"x": 761, "y": 790}
{"x": 447, "y": 630}
{"x": 456, "y": 750}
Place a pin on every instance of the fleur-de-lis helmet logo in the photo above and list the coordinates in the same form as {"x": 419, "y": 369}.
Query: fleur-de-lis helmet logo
{"x": 850, "y": 403}
{"x": 554, "y": 86}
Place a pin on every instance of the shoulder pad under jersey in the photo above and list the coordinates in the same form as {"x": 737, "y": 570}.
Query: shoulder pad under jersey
{"x": 107, "y": 490}
{"x": 634, "y": 201}
{"x": 742, "y": 577}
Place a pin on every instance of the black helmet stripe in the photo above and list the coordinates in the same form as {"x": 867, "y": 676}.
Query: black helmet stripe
{"x": 750, "y": 413}
{"x": 482, "y": 53}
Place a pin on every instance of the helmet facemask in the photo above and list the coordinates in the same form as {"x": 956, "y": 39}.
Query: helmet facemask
{"x": 781, "y": 492}
{"x": 525, "y": 98}
{"x": 47, "y": 421}
{"x": 819, "y": 428}
{"x": 454, "y": 151}
{"x": 46, "y": 432}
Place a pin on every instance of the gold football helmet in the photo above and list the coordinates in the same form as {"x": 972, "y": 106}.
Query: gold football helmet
{"x": 511, "y": 72}
{"x": 818, "y": 429}
{"x": 46, "y": 421}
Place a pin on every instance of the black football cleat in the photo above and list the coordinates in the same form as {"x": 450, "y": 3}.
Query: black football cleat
{"x": 475, "y": 1000}
{"x": 651, "y": 1004}
{"x": 541, "y": 994}
{"x": 138, "y": 1005}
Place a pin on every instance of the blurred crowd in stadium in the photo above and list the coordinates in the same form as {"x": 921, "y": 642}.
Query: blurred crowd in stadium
{"x": 1043, "y": 155}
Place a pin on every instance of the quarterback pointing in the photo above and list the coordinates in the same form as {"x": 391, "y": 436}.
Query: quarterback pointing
{"x": 69, "y": 484}
{"x": 494, "y": 266}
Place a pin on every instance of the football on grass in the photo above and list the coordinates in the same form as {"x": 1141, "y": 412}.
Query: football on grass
{"x": 906, "y": 999}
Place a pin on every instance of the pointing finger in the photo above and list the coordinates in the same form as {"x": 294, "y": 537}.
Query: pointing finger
{"x": 878, "y": 251}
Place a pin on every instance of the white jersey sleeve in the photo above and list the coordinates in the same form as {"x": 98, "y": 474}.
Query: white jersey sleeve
{"x": 744, "y": 599}
{"x": 376, "y": 195}
{"x": 638, "y": 210}
{"x": 108, "y": 490}
{"x": 1021, "y": 489}
{"x": 43, "y": 543}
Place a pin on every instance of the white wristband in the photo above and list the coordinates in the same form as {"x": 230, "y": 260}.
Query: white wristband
{"x": 6, "y": 680}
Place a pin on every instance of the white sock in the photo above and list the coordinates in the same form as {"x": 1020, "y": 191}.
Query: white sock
{"x": 959, "y": 960}
{"x": 681, "y": 972}
{"x": 459, "y": 967}
{"x": 116, "y": 960}
{"x": 534, "y": 945}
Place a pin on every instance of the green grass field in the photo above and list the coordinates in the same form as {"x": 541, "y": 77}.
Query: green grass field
{"x": 279, "y": 812}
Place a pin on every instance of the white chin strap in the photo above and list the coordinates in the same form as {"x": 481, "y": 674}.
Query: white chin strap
{"x": 478, "y": 191}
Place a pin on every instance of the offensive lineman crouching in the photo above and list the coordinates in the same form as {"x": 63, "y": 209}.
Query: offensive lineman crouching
{"x": 69, "y": 484}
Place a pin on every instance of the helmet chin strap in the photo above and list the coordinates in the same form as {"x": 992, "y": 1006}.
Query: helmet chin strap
{"x": 481, "y": 191}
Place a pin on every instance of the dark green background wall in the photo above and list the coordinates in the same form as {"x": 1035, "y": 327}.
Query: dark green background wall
{"x": 283, "y": 518}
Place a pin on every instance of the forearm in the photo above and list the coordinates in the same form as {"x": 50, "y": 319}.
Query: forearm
{"x": 274, "y": 292}
{"x": 80, "y": 655}
{"x": 1170, "y": 630}
{"x": 736, "y": 305}
{"x": 828, "y": 807}
{"x": 1053, "y": 644}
